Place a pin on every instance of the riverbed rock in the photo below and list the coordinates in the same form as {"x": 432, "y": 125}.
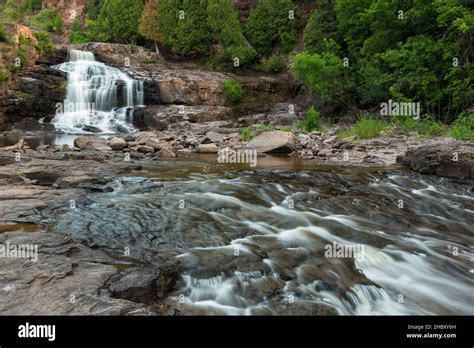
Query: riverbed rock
{"x": 118, "y": 144}
{"x": 91, "y": 144}
{"x": 455, "y": 160}
{"x": 208, "y": 148}
{"x": 274, "y": 141}
{"x": 166, "y": 152}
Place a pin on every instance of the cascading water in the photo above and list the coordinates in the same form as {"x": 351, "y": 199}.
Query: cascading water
{"x": 97, "y": 96}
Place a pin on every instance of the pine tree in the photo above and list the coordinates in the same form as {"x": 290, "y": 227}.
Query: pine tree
{"x": 150, "y": 26}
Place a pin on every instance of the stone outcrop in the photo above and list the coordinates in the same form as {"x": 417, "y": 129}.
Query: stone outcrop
{"x": 455, "y": 160}
{"x": 275, "y": 141}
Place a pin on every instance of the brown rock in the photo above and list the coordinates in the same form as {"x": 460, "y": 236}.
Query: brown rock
{"x": 274, "y": 141}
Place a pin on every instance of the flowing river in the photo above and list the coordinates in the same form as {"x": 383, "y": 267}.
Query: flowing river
{"x": 255, "y": 241}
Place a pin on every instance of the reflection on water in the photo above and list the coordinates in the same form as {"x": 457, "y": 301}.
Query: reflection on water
{"x": 253, "y": 241}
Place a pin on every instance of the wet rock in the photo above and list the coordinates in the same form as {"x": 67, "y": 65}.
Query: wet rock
{"x": 91, "y": 144}
{"x": 92, "y": 129}
{"x": 144, "y": 149}
{"x": 213, "y": 137}
{"x": 64, "y": 270}
{"x": 274, "y": 141}
{"x": 142, "y": 285}
{"x": 118, "y": 144}
{"x": 454, "y": 160}
{"x": 166, "y": 152}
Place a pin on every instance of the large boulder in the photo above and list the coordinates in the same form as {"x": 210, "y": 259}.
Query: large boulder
{"x": 91, "y": 143}
{"x": 454, "y": 160}
{"x": 274, "y": 141}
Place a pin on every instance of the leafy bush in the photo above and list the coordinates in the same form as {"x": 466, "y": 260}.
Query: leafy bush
{"x": 369, "y": 127}
{"x": 312, "y": 121}
{"x": 274, "y": 64}
{"x": 247, "y": 134}
{"x": 463, "y": 127}
{"x": 224, "y": 23}
{"x": 44, "y": 45}
{"x": 3, "y": 34}
{"x": 117, "y": 21}
{"x": 233, "y": 91}
{"x": 322, "y": 25}
{"x": 421, "y": 54}
{"x": 78, "y": 33}
{"x": 3, "y": 77}
{"x": 263, "y": 127}
{"x": 270, "y": 25}
{"x": 93, "y": 7}
{"x": 49, "y": 20}
{"x": 185, "y": 26}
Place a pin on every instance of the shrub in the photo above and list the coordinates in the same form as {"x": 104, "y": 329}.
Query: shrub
{"x": 463, "y": 127}
{"x": 77, "y": 35}
{"x": 44, "y": 45}
{"x": 263, "y": 127}
{"x": 49, "y": 20}
{"x": 224, "y": 22}
{"x": 312, "y": 121}
{"x": 3, "y": 77}
{"x": 274, "y": 64}
{"x": 3, "y": 34}
{"x": 270, "y": 25}
{"x": 233, "y": 91}
{"x": 247, "y": 134}
{"x": 322, "y": 25}
{"x": 369, "y": 127}
{"x": 117, "y": 21}
{"x": 185, "y": 26}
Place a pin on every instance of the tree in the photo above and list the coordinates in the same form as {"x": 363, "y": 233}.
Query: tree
{"x": 272, "y": 23}
{"x": 118, "y": 21}
{"x": 150, "y": 26}
{"x": 224, "y": 23}
{"x": 185, "y": 26}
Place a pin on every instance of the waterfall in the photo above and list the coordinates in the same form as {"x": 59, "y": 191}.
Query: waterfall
{"x": 97, "y": 96}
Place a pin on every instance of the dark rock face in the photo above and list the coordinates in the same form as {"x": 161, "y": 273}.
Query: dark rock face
{"x": 36, "y": 95}
{"x": 455, "y": 160}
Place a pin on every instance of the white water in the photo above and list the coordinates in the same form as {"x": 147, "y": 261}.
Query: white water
{"x": 97, "y": 95}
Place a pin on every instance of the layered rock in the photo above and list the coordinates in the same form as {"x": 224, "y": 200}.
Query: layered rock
{"x": 455, "y": 160}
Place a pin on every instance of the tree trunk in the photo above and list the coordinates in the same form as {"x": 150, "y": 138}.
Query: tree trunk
{"x": 157, "y": 50}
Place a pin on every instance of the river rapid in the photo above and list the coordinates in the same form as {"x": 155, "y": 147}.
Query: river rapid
{"x": 291, "y": 238}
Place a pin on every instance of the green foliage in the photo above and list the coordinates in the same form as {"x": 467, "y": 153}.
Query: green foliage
{"x": 78, "y": 33}
{"x": 263, "y": 127}
{"x": 324, "y": 75}
{"x": 270, "y": 25}
{"x": 150, "y": 24}
{"x": 224, "y": 23}
{"x": 49, "y": 20}
{"x": 369, "y": 127}
{"x": 463, "y": 127}
{"x": 274, "y": 64}
{"x": 247, "y": 134}
{"x": 312, "y": 121}
{"x": 22, "y": 53}
{"x": 44, "y": 45}
{"x": 415, "y": 50}
{"x": 16, "y": 10}
{"x": 3, "y": 77}
{"x": 322, "y": 25}
{"x": 233, "y": 91}
{"x": 117, "y": 21}
{"x": 425, "y": 126}
{"x": 93, "y": 7}
{"x": 3, "y": 34}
